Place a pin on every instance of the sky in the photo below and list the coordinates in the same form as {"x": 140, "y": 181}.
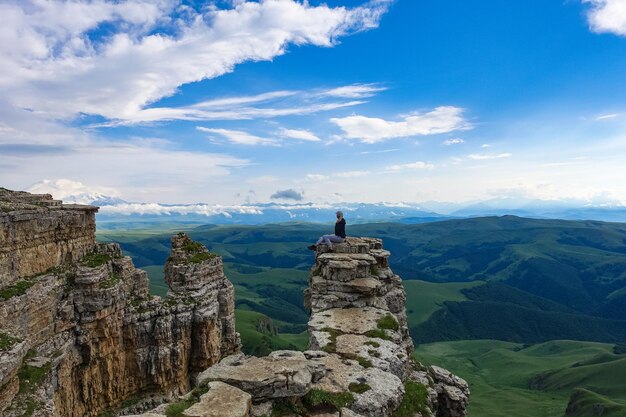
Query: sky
{"x": 244, "y": 102}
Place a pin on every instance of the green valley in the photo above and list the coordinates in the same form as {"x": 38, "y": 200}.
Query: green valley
{"x": 534, "y": 380}
{"x": 516, "y": 306}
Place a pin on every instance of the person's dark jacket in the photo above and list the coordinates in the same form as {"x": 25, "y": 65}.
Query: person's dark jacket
{"x": 340, "y": 228}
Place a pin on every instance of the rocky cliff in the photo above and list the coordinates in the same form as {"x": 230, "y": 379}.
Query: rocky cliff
{"x": 359, "y": 361}
{"x": 80, "y": 335}
{"x": 79, "y": 332}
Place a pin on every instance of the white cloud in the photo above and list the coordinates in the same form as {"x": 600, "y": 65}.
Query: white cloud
{"x": 354, "y": 91}
{"x": 482, "y": 156}
{"x": 372, "y": 130}
{"x": 485, "y": 145}
{"x": 238, "y": 137}
{"x": 53, "y": 62}
{"x": 232, "y": 111}
{"x": 454, "y": 141}
{"x": 411, "y": 166}
{"x": 299, "y": 134}
{"x": 317, "y": 177}
{"x": 141, "y": 170}
{"x": 72, "y": 191}
{"x": 161, "y": 209}
{"x": 380, "y": 151}
{"x": 607, "y": 16}
{"x": 607, "y": 116}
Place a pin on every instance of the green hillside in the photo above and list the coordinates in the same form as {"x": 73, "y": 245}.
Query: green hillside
{"x": 259, "y": 335}
{"x": 508, "y": 278}
{"x": 521, "y": 281}
{"x": 519, "y": 381}
{"x": 424, "y": 298}
{"x": 584, "y": 403}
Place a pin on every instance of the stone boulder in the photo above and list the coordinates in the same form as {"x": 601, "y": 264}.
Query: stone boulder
{"x": 221, "y": 400}
{"x": 281, "y": 374}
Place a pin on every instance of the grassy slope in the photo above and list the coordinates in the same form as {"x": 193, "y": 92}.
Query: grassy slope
{"x": 157, "y": 283}
{"x": 500, "y": 373}
{"x": 261, "y": 339}
{"x": 424, "y": 298}
{"x": 585, "y": 403}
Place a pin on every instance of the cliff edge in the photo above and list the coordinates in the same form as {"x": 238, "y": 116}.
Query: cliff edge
{"x": 79, "y": 332}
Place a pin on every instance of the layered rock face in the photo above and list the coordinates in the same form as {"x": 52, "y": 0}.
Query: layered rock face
{"x": 79, "y": 332}
{"x": 359, "y": 359}
{"x": 38, "y": 233}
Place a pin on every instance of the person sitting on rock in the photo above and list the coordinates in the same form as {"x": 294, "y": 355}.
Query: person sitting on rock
{"x": 338, "y": 237}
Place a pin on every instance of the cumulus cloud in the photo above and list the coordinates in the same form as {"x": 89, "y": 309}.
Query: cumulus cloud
{"x": 411, "y": 166}
{"x": 372, "y": 130}
{"x": 56, "y": 61}
{"x": 238, "y": 137}
{"x": 159, "y": 169}
{"x": 163, "y": 209}
{"x": 289, "y": 194}
{"x": 73, "y": 191}
{"x": 299, "y": 134}
{"x": 483, "y": 156}
{"x": 454, "y": 141}
{"x": 607, "y": 16}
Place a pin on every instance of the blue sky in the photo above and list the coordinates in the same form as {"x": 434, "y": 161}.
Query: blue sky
{"x": 236, "y": 102}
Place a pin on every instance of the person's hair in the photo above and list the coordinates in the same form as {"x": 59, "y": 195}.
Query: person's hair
{"x": 339, "y": 213}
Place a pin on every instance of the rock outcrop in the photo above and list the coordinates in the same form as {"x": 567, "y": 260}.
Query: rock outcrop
{"x": 359, "y": 359}
{"x": 79, "y": 332}
{"x": 38, "y": 233}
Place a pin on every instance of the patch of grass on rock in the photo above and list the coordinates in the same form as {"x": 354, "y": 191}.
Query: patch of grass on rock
{"x": 176, "y": 409}
{"x": 7, "y": 342}
{"x": 94, "y": 260}
{"x": 388, "y": 322}
{"x": 415, "y": 400}
{"x": 374, "y": 353}
{"x": 359, "y": 387}
{"x": 319, "y": 398}
{"x": 31, "y": 377}
{"x": 201, "y": 257}
{"x": 331, "y": 347}
{"x": 377, "y": 333}
{"x": 19, "y": 288}
{"x": 193, "y": 247}
{"x": 286, "y": 407}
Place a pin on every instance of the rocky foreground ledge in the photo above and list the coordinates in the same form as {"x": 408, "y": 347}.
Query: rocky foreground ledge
{"x": 359, "y": 362}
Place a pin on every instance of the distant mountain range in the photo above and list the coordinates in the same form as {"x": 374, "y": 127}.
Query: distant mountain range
{"x": 115, "y": 210}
